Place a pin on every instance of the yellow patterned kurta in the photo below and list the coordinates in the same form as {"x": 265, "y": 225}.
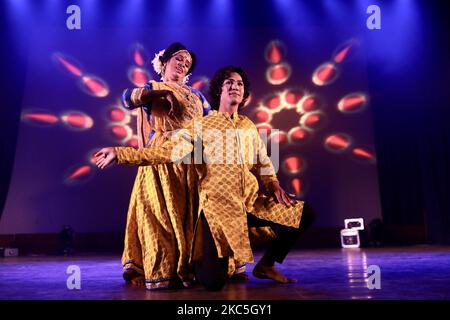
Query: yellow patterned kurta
{"x": 159, "y": 226}
{"x": 230, "y": 147}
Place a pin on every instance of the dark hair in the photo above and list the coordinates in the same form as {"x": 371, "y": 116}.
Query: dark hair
{"x": 174, "y": 47}
{"x": 215, "y": 86}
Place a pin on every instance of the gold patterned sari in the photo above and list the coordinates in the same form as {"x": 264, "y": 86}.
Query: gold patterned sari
{"x": 163, "y": 201}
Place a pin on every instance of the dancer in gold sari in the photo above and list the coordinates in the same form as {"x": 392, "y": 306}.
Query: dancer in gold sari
{"x": 159, "y": 226}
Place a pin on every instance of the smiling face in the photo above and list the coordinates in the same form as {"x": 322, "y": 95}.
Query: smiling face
{"x": 177, "y": 67}
{"x": 232, "y": 90}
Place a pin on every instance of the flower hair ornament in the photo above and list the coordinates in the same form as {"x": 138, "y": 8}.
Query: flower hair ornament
{"x": 156, "y": 62}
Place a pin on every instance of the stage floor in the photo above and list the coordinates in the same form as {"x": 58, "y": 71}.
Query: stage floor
{"x": 418, "y": 272}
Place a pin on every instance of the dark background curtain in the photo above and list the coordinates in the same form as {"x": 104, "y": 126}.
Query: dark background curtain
{"x": 13, "y": 53}
{"x": 411, "y": 110}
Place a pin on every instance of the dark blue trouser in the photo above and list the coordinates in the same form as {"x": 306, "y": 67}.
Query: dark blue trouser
{"x": 212, "y": 271}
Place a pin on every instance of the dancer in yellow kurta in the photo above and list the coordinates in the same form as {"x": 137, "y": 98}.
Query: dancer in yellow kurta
{"x": 224, "y": 148}
{"x": 159, "y": 226}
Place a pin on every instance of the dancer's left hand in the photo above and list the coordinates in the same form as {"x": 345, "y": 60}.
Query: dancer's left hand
{"x": 105, "y": 157}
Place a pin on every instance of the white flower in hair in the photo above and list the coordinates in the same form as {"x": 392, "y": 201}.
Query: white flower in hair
{"x": 156, "y": 62}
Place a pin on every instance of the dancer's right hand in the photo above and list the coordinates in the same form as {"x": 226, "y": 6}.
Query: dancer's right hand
{"x": 105, "y": 157}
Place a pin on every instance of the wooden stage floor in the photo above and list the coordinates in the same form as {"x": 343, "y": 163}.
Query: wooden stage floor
{"x": 417, "y": 273}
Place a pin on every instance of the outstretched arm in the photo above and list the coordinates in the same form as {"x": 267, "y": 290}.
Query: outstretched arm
{"x": 174, "y": 150}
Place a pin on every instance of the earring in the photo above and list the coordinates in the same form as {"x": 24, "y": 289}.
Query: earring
{"x": 186, "y": 79}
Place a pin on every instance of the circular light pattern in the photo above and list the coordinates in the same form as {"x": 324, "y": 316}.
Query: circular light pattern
{"x": 69, "y": 65}
{"x": 274, "y": 52}
{"x": 352, "y": 103}
{"x": 279, "y": 137}
{"x": 293, "y": 165}
{"x": 274, "y": 103}
{"x": 90, "y": 84}
{"x": 308, "y": 103}
{"x": 363, "y": 154}
{"x": 261, "y": 114}
{"x": 118, "y": 115}
{"x": 77, "y": 120}
{"x": 39, "y": 118}
{"x": 119, "y": 120}
{"x": 299, "y": 135}
{"x": 138, "y": 76}
{"x": 309, "y": 107}
{"x": 278, "y": 74}
{"x": 139, "y": 55}
{"x": 78, "y": 174}
{"x": 264, "y": 129}
{"x": 121, "y": 132}
{"x": 340, "y": 55}
{"x": 291, "y": 97}
{"x": 296, "y": 185}
{"x": 94, "y": 86}
{"x": 338, "y": 142}
{"x": 325, "y": 74}
{"x": 345, "y": 51}
{"x": 313, "y": 120}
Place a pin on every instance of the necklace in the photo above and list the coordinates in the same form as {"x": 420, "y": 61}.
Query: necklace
{"x": 184, "y": 91}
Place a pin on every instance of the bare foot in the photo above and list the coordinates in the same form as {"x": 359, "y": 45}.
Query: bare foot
{"x": 138, "y": 281}
{"x": 269, "y": 272}
{"x": 135, "y": 278}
